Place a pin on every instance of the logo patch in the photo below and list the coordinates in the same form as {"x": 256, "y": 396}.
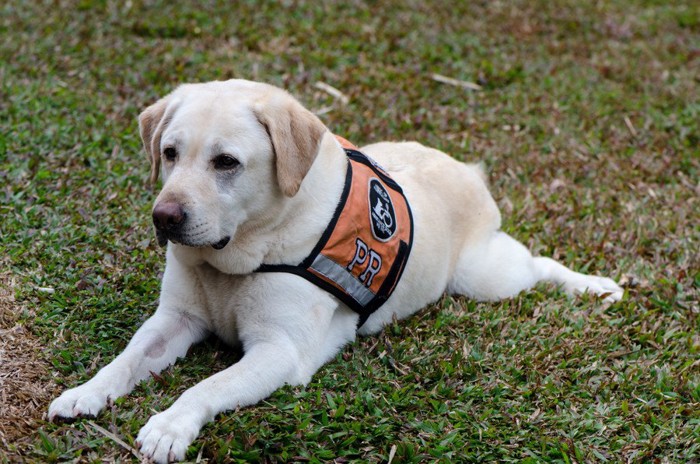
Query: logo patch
{"x": 381, "y": 211}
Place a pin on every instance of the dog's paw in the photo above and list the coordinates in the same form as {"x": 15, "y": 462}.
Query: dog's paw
{"x": 82, "y": 401}
{"x": 166, "y": 436}
{"x": 601, "y": 286}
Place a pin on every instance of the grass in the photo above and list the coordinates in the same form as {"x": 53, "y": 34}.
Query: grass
{"x": 587, "y": 122}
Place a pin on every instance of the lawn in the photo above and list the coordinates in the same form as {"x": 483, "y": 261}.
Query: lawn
{"x": 586, "y": 116}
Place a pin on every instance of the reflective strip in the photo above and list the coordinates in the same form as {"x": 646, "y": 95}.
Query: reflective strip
{"x": 340, "y": 276}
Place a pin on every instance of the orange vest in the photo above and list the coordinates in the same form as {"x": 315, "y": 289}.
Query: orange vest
{"x": 363, "y": 251}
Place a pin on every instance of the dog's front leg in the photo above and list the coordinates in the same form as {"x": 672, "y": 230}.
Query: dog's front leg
{"x": 287, "y": 327}
{"x": 265, "y": 367}
{"x": 157, "y": 344}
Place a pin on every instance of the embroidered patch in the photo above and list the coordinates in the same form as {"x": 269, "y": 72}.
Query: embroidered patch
{"x": 381, "y": 211}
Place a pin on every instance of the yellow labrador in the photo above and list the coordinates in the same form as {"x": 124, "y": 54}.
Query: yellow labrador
{"x": 252, "y": 179}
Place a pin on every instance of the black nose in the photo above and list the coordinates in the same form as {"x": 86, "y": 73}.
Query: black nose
{"x": 168, "y": 216}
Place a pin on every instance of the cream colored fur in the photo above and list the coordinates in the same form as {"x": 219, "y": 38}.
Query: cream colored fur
{"x": 272, "y": 209}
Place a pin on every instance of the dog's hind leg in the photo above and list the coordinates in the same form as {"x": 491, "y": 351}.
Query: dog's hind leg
{"x": 501, "y": 267}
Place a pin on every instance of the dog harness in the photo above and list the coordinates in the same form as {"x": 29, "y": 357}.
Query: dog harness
{"x": 364, "y": 249}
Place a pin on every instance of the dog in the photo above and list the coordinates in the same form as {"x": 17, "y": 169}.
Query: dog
{"x": 259, "y": 253}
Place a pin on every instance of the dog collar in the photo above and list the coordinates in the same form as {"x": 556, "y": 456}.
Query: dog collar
{"x": 363, "y": 251}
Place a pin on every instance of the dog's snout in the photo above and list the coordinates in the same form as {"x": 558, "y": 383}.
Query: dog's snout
{"x": 168, "y": 216}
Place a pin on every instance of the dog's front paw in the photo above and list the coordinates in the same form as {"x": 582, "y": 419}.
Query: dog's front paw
{"x": 83, "y": 401}
{"x": 166, "y": 436}
{"x": 601, "y": 286}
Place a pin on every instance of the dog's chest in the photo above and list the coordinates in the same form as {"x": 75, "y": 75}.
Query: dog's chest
{"x": 221, "y": 297}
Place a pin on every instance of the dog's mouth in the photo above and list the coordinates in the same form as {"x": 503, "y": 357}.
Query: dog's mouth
{"x": 221, "y": 243}
{"x": 164, "y": 237}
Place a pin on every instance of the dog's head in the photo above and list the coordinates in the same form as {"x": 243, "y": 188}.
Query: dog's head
{"x": 228, "y": 151}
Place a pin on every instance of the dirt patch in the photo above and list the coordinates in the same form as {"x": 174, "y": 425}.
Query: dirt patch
{"x": 25, "y": 388}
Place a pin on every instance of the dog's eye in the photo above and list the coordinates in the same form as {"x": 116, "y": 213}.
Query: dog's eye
{"x": 225, "y": 162}
{"x": 170, "y": 153}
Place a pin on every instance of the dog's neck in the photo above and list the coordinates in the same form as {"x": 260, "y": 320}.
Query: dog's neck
{"x": 287, "y": 234}
{"x": 306, "y": 215}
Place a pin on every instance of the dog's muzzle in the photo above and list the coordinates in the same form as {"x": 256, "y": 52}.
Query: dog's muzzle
{"x": 169, "y": 220}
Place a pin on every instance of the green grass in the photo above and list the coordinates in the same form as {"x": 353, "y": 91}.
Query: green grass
{"x": 587, "y": 123}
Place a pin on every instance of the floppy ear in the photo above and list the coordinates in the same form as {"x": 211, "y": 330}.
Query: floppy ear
{"x": 295, "y": 134}
{"x": 151, "y": 125}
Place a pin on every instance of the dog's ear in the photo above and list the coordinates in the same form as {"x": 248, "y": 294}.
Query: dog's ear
{"x": 295, "y": 134}
{"x": 152, "y": 122}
